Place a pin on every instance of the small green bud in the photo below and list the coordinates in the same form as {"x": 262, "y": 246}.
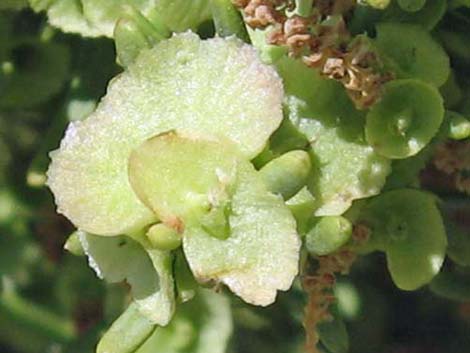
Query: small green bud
{"x": 163, "y": 237}
{"x": 228, "y": 20}
{"x": 459, "y": 127}
{"x": 287, "y": 174}
{"x": 303, "y": 7}
{"x": 328, "y": 235}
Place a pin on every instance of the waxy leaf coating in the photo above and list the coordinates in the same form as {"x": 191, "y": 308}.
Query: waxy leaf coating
{"x": 148, "y": 272}
{"x": 344, "y": 166}
{"x": 261, "y": 230}
{"x": 216, "y": 88}
{"x": 156, "y": 173}
{"x": 262, "y": 252}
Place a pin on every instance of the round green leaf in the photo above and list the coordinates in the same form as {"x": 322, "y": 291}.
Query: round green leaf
{"x": 404, "y": 121}
{"x": 427, "y": 17}
{"x": 414, "y": 53}
{"x": 407, "y": 225}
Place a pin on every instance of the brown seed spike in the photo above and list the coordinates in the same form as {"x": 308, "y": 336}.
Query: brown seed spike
{"x": 326, "y": 47}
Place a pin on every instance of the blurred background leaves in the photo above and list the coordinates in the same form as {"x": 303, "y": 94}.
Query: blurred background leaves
{"x": 52, "y": 302}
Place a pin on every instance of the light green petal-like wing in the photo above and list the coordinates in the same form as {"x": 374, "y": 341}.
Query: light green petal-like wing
{"x": 149, "y": 273}
{"x": 216, "y": 88}
{"x": 262, "y": 252}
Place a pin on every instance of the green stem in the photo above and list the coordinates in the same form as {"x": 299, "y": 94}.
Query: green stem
{"x": 129, "y": 41}
{"x": 154, "y": 29}
{"x": 303, "y": 7}
{"x": 157, "y": 22}
{"x": 228, "y": 20}
{"x": 127, "y": 333}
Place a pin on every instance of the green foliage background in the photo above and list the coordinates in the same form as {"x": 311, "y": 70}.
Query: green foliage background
{"x": 52, "y": 302}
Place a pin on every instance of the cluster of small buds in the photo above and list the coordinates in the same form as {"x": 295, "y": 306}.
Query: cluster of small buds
{"x": 357, "y": 67}
{"x": 453, "y": 158}
{"x": 323, "y": 45}
{"x": 319, "y": 285}
{"x": 294, "y": 32}
{"x": 319, "y": 291}
{"x": 261, "y": 13}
